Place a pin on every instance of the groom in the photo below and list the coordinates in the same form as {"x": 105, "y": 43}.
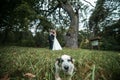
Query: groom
{"x": 51, "y": 39}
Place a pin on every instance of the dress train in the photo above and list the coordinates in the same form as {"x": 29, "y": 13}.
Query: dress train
{"x": 56, "y": 45}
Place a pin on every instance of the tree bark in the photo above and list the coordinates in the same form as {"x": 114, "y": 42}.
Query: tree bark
{"x": 72, "y": 34}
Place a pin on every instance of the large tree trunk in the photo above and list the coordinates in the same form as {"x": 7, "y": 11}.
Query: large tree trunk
{"x": 72, "y": 34}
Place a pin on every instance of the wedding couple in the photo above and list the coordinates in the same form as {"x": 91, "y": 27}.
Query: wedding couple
{"x": 53, "y": 42}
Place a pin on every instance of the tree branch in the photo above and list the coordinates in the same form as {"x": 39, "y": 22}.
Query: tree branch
{"x": 53, "y": 9}
{"x": 89, "y": 3}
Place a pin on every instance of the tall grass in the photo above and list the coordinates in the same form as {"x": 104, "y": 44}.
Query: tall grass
{"x": 90, "y": 65}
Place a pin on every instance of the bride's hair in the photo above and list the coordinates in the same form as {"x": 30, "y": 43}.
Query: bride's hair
{"x": 54, "y": 32}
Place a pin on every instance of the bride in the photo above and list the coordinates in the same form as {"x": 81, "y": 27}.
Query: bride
{"x": 56, "y": 44}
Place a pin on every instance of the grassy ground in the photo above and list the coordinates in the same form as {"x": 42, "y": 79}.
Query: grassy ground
{"x": 15, "y": 62}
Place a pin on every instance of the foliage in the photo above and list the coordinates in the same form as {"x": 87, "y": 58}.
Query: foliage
{"x": 21, "y": 15}
{"x": 104, "y": 22}
{"x": 110, "y": 43}
{"x": 18, "y": 16}
{"x": 39, "y": 62}
{"x": 83, "y": 39}
{"x": 41, "y": 39}
{"x": 18, "y": 38}
{"x": 6, "y": 14}
{"x": 105, "y": 13}
{"x": 110, "y": 39}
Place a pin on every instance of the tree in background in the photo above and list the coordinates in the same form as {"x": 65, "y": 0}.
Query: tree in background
{"x": 23, "y": 14}
{"x": 103, "y": 13}
{"x": 111, "y": 37}
{"x": 104, "y": 23}
{"x": 17, "y": 17}
{"x": 67, "y": 13}
{"x": 20, "y": 16}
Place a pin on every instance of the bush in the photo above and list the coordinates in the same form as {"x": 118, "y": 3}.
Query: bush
{"x": 41, "y": 39}
{"x": 28, "y": 43}
{"x": 109, "y": 43}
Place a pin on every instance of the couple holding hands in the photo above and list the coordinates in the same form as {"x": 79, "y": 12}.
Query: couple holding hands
{"x": 53, "y": 42}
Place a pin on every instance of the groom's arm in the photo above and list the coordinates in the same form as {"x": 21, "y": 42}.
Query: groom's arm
{"x": 52, "y": 37}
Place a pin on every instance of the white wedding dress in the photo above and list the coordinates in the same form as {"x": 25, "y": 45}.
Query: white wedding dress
{"x": 56, "y": 44}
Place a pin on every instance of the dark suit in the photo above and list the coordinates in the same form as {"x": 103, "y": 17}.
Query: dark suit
{"x": 51, "y": 39}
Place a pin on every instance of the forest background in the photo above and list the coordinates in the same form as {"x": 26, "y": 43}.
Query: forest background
{"x": 19, "y": 17}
